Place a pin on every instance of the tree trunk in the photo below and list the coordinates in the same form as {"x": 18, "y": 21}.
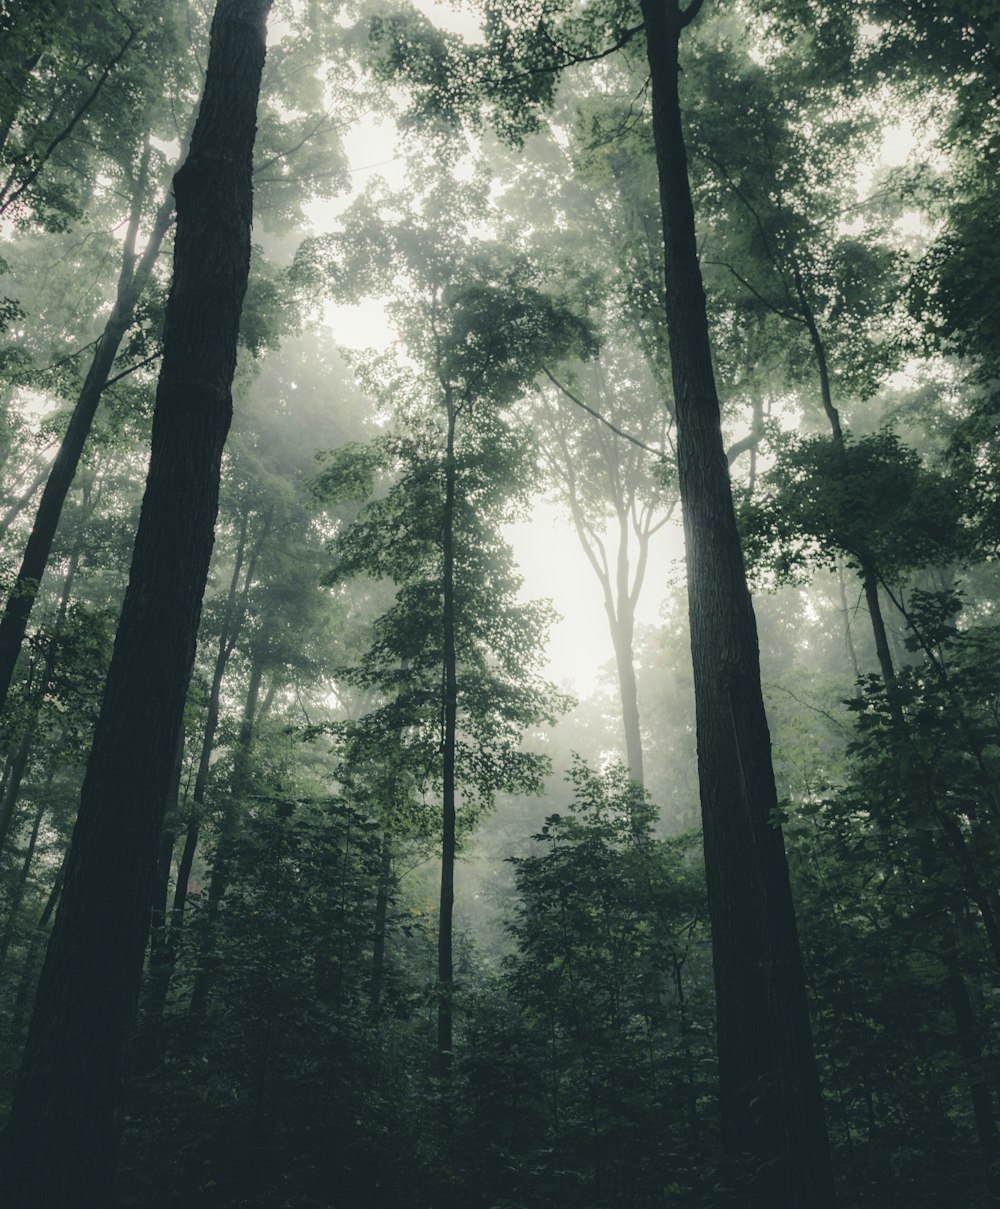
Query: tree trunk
{"x": 162, "y": 971}
{"x": 772, "y": 1116}
{"x": 149, "y": 1036}
{"x": 447, "y": 900}
{"x": 17, "y": 892}
{"x": 62, "y": 1138}
{"x": 131, "y": 283}
{"x": 379, "y": 927}
{"x": 622, "y": 623}
{"x": 219, "y": 880}
{"x": 19, "y": 763}
{"x": 23, "y": 999}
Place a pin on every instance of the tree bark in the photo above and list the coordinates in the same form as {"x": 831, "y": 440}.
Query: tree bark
{"x": 772, "y": 1116}
{"x": 62, "y": 1138}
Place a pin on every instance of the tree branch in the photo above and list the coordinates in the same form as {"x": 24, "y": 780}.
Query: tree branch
{"x": 658, "y": 453}
{"x": 569, "y": 58}
{"x": 64, "y": 134}
{"x": 688, "y": 14}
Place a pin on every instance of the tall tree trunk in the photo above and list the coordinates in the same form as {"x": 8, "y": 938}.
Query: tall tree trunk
{"x": 62, "y": 1138}
{"x": 450, "y": 672}
{"x": 619, "y": 596}
{"x": 772, "y": 1115}
{"x": 132, "y": 282}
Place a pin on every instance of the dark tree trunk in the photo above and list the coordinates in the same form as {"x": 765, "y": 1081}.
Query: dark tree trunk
{"x": 132, "y": 281}
{"x": 772, "y": 1114}
{"x": 62, "y": 1138}
{"x": 447, "y": 900}
{"x": 384, "y": 892}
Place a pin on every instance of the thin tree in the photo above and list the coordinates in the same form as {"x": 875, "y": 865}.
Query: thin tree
{"x": 61, "y": 1141}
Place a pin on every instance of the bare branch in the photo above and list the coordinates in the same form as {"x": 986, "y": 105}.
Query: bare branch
{"x": 658, "y": 453}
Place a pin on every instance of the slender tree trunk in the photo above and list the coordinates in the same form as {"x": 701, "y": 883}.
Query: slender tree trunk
{"x": 222, "y": 865}
{"x": 619, "y": 601}
{"x": 852, "y": 654}
{"x": 447, "y": 900}
{"x": 19, "y": 763}
{"x": 772, "y": 1115}
{"x": 131, "y": 284}
{"x": 23, "y": 999}
{"x": 980, "y": 1092}
{"x": 62, "y": 1137}
{"x": 379, "y": 927}
{"x": 162, "y": 972}
{"x": 149, "y": 1039}
{"x": 383, "y": 894}
{"x": 17, "y": 893}
{"x": 622, "y": 623}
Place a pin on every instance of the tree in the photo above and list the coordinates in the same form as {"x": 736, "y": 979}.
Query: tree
{"x": 60, "y": 1142}
{"x": 454, "y": 650}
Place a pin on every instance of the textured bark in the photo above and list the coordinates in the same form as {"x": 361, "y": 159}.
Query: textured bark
{"x": 61, "y": 1142}
{"x": 131, "y": 284}
{"x": 447, "y": 898}
{"x": 772, "y": 1116}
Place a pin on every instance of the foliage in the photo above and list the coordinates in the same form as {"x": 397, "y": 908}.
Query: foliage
{"x": 875, "y": 499}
